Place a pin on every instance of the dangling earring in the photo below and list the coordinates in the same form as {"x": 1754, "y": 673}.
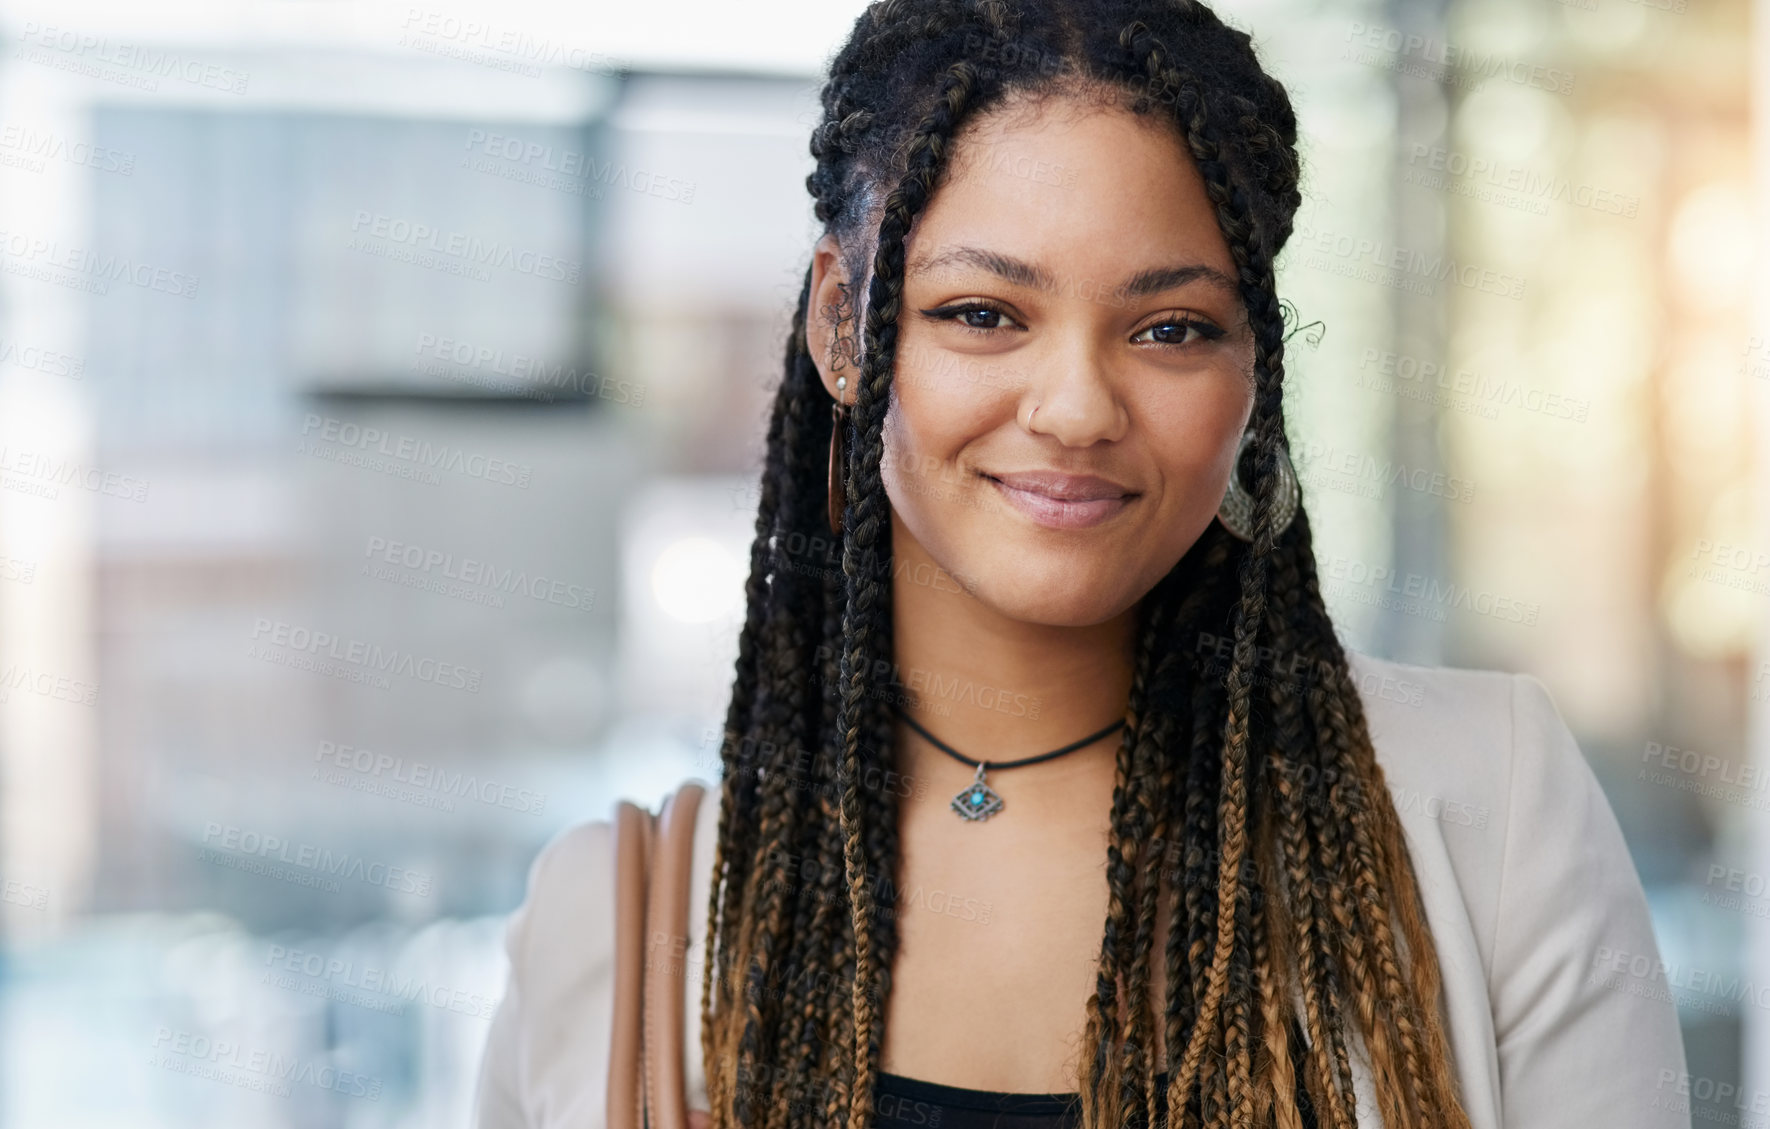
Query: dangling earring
{"x": 1237, "y": 511}
{"x": 838, "y": 457}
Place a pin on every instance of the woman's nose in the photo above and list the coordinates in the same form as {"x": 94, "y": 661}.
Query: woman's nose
{"x": 1075, "y": 402}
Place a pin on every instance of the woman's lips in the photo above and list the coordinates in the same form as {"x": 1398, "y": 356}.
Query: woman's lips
{"x": 1058, "y": 513}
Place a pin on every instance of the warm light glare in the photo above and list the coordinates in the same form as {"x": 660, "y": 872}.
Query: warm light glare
{"x": 1709, "y": 251}
{"x": 696, "y": 580}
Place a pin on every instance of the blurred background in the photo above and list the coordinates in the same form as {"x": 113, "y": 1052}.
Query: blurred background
{"x": 381, "y": 396}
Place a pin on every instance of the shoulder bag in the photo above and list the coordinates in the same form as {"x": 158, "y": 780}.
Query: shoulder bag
{"x": 653, "y": 866}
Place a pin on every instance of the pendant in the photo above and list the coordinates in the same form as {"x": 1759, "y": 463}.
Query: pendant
{"x": 978, "y": 801}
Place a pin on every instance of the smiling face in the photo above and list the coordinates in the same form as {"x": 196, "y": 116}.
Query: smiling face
{"x": 1074, "y": 363}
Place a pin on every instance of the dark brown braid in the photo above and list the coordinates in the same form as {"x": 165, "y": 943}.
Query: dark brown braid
{"x": 1295, "y": 930}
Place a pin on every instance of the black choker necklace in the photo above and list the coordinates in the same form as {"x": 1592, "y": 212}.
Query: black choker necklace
{"x": 978, "y": 800}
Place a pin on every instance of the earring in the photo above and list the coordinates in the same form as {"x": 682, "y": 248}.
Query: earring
{"x": 838, "y": 424}
{"x": 1237, "y": 511}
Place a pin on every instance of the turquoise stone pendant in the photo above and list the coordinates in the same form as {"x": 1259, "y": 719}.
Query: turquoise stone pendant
{"x": 978, "y": 801}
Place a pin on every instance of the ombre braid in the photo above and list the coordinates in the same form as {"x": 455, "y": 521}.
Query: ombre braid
{"x": 1295, "y": 932}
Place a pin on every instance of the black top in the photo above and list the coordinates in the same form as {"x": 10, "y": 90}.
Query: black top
{"x": 910, "y": 1103}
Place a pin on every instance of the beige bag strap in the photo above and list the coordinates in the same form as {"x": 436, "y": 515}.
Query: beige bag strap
{"x": 654, "y": 865}
{"x": 633, "y": 835}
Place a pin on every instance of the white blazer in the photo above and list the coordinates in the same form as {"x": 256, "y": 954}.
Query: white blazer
{"x": 1559, "y": 1015}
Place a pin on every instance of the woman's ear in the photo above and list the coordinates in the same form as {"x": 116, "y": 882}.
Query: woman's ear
{"x": 830, "y": 323}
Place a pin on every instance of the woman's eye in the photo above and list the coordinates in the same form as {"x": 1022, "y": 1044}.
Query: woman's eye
{"x": 972, "y": 316}
{"x": 980, "y": 318}
{"x": 1174, "y": 332}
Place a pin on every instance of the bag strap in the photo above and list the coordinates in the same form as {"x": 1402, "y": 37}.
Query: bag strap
{"x": 654, "y": 866}
{"x": 633, "y": 844}
{"x": 666, "y": 974}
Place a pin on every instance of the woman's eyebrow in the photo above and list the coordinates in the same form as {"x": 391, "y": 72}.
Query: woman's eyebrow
{"x": 1022, "y": 273}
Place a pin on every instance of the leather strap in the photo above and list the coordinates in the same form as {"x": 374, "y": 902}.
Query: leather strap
{"x": 654, "y": 865}
{"x": 666, "y": 974}
{"x": 633, "y": 835}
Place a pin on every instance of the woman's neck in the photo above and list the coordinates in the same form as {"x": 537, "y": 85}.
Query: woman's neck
{"x": 998, "y": 689}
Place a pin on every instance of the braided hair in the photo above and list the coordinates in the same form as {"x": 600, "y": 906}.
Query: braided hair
{"x": 1251, "y": 789}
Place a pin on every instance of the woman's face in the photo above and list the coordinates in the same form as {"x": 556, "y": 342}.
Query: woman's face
{"x": 1074, "y": 363}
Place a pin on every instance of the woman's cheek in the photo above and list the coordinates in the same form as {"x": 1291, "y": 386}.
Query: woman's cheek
{"x": 921, "y": 495}
{"x": 919, "y": 434}
{"x": 895, "y": 457}
{"x": 903, "y": 467}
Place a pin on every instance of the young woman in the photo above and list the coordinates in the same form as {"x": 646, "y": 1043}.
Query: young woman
{"x": 1049, "y": 795}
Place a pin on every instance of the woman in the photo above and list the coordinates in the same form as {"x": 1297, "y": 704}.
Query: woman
{"x": 1283, "y": 885}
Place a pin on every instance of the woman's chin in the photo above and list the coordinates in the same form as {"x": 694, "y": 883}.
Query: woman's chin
{"x": 1058, "y": 593}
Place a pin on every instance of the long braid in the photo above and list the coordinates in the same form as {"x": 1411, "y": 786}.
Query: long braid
{"x": 1194, "y": 702}
{"x": 866, "y": 529}
{"x": 1278, "y": 1094}
{"x": 1425, "y": 1050}
{"x": 1104, "y": 1100}
{"x": 1132, "y": 876}
{"x": 1377, "y": 855}
{"x": 739, "y": 790}
{"x": 1291, "y": 731}
{"x": 1155, "y": 734}
{"x": 1286, "y": 833}
{"x": 1259, "y": 293}
{"x": 1364, "y": 962}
